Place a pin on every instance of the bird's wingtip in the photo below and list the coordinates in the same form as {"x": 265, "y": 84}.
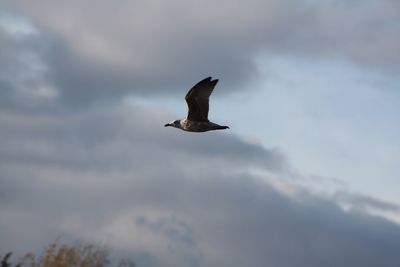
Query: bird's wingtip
{"x": 210, "y": 79}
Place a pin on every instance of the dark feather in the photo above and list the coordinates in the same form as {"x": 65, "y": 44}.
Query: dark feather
{"x": 197, "y": 99}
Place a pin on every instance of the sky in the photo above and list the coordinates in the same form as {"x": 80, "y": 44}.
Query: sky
{"x": 309, "y": 167}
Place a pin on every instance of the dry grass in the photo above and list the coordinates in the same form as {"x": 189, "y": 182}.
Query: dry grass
{"x": 63, "y": 255}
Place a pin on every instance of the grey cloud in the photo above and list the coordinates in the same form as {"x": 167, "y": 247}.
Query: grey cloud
{"x": 163, "y": 47}
{"x": 140, "y": 63}
{"x": 112, "y": 133}
{"x": 110, "y": 174}
{"x": 23, "y": 75}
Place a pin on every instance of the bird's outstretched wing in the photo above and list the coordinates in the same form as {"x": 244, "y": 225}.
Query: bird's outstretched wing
{"x": 197, "y": 99}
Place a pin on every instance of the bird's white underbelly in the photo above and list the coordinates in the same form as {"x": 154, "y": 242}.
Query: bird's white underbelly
{"x": 196, "y": 126}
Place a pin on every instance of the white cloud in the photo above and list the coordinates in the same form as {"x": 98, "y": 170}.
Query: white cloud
{"x": 16, "y": 26}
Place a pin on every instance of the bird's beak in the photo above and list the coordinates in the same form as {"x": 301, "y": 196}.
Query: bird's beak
{"x": 168, "y": 124}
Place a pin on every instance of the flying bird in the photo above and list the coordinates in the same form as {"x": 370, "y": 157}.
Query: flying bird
{"x": 197, "y": 100}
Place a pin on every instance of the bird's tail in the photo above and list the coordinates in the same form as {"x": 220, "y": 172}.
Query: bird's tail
{"x": 220, "y": 127}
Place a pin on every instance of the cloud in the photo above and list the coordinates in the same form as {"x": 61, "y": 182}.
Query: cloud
{"x": 113, "y": 173}
{"x": 367, "y": 204}
{"x": 161, "y": 47}
{"x": 23, "y": 73}
{"x": 110, "y": 171}
{"x": 364, "y": 202}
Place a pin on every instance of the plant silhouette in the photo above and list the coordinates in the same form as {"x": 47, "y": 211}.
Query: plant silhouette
{"x": 64, "y": 255}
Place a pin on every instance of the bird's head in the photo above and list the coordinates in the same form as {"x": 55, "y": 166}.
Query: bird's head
{"x": 176, "y": 124}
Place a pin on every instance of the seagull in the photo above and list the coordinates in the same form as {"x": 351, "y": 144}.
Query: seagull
{"x": 197, "y": 101}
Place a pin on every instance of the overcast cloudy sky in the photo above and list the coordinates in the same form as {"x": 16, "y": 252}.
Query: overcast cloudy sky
{"x": 306, "y": 176}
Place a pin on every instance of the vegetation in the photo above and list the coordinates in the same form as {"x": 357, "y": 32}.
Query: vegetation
{"x": 63, "y": 255}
